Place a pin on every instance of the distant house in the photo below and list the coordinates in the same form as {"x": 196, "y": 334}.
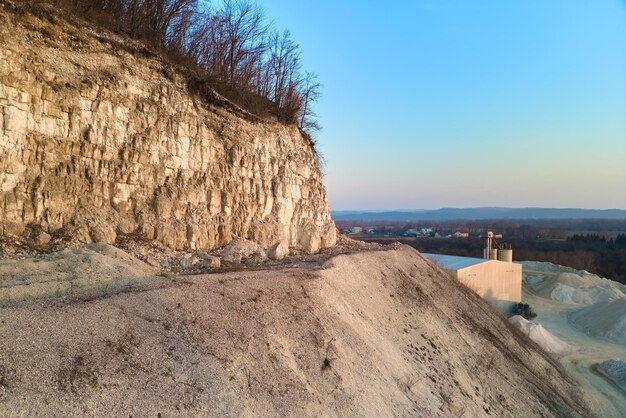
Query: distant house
{"x": 353, "y": 230}
{"x": 459, "y": 234}
{"x": 500, "y": 282}
{"x": 411, "y": 233}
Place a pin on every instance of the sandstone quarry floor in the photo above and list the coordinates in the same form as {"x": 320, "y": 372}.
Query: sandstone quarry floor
{"x": 366, "y": 333}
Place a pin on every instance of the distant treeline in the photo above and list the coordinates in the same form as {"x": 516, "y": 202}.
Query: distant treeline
{"x": 521, "y": 228}
{"x": 602, "y": 252}
{"x": 595, "y": 240}
{"x": 605, "y": 259}
{"x": 227, "y": 44}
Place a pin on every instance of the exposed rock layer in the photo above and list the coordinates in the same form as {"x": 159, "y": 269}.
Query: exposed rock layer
{"x": 99, "y": 141}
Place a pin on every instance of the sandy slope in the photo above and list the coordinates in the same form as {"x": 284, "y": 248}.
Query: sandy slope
{"x": 377, "y": 333}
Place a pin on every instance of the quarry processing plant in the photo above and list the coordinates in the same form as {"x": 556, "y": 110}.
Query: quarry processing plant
{"x": 494, "y": 277}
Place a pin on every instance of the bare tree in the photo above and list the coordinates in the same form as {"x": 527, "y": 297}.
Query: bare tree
{"x": 162, "y": 14}
{"x": 243, "y": 29}
{"x": 229, "y": 41}
{"x": 310, "y": 92}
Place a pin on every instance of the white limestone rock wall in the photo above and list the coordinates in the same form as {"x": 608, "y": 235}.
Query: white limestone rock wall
{"x": 97, "y": 142}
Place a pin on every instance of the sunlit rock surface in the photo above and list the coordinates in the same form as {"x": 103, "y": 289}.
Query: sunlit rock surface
{"x": 102, "y": 141}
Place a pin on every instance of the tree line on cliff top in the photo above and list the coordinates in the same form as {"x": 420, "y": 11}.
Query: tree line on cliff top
{"x": 227, "y": 42}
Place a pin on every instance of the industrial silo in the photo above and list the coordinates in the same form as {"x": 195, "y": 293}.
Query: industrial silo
{"x": 505, "y": 255}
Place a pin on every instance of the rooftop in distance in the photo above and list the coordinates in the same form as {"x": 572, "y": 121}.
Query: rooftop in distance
{"x": 453, "y": 262}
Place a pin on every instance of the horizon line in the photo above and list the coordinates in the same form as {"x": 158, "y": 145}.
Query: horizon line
{"x": 476, "y": 207}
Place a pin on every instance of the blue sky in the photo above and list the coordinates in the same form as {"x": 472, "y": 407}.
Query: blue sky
{"x": 431, "y": 104}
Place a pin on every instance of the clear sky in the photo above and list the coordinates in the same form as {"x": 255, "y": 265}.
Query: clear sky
{"x": 436, "y": 103}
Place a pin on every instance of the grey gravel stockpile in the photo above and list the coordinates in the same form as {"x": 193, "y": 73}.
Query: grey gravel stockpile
{"x": 605, "y": 319}
{"x": 615, "y": 371}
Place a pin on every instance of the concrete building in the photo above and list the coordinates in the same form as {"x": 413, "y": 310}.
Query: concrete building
{"x": 500, "y": 282}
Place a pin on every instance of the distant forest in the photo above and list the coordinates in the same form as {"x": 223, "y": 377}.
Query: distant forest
{"x": 597, "y": 246}
{"x": 227, "y": 45}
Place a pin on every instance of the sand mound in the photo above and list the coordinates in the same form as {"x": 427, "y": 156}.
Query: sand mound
{"x": 547, "y": 267}
{"x": 540, "y": 335}
{"x": 376, "y": 333}
{"x": 584, "y": 295}
{"x": 615, "y": 371}
{"x": 73, "y": 272}
{"x": 567, "y": 285}
{"x": 606, "y": 320}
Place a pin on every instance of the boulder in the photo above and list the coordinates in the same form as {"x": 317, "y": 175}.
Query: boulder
{"x": 240, "y": 250}
{"x": 103, "y": 233}
{"x": 208, "y": 261}
{"x": 188, "y": 261}
{"x": 211, "y": 263}
{"x": 43, "y": 238}
{"x": 150, "y": 260}
{"x": 278, "y": 251}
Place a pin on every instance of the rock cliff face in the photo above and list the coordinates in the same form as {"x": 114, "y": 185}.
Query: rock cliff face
{"x": 97, "y": 141}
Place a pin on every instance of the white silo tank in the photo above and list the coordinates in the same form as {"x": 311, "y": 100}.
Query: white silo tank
{"x": 506, "y": 255}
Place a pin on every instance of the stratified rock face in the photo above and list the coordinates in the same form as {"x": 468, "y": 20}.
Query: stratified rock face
{"x": 100, "y": 142}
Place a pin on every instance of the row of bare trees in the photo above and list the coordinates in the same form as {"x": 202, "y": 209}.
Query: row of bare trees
{"x": 227, "y": 40}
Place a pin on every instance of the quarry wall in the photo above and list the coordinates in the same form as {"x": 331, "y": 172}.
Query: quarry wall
{"x": 97, "y": 141}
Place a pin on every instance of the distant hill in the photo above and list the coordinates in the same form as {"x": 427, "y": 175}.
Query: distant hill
{"x": 446, "y": 214}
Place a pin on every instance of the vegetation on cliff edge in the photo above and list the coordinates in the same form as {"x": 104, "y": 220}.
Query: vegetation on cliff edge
{"x": 228, "y": 46}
